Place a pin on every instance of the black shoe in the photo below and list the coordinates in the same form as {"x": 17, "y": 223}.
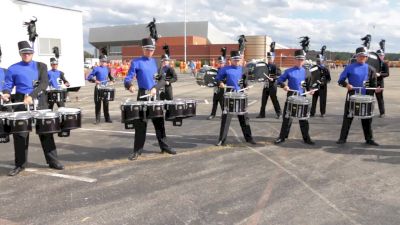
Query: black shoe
{"x": 341, "y": 141}
{"x": 312, "y": 115}
{"x": 168, "y": 150}
{"x": 220, "y": 143}
{"x": 96, "y": 122}
{"x": 16, "y": 171}
{"x": 211, "y": 117}
{"x": 279, "y": 140}
{"x": 134, "y": 155}
{"x": 260, "y": 116}
{"x": 251, "y": 141}
{"x": 56, "y": 165}
{"x": 309, "y": 141}
{"x": 371, "y": 142}
{"x": 109, "y": 121}
{"x": 278, "y": 116}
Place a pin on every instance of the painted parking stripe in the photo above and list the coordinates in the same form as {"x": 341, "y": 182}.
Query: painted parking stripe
{"x": 121, "y": 132}
{"x": 52, "y": 174}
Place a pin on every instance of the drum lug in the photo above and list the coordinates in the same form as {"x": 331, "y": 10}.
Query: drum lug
{"x": 177, "y": 122}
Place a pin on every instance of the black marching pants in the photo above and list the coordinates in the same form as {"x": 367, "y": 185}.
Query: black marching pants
{"x": 366, "y": 125}
{"x": 322, "y": 94}
{"x": 97, "y": 103}
{"x": 287, "y": 123}
{"x": 218, "y": 97}
{"x": 244, "y": 124}
{"x": 381, "y": 102}
{"x": 271, "y": 92}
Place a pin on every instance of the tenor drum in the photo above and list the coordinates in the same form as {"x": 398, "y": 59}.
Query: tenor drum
{"x": 106, "y": 93}
{"x": 154, "y": 109}
{"x": 71, "y": 118}
{"x": 47, "y": 122}
{"x": 298, "y": 107}
{"x": 56, "y": 96}
{"x": 190, "y": 109}
{"x": 131, "y": 110}
{"x": 19, "y": 122}
{"x": 175, "y": 109}
{"x": 362, "y": 106}
{"x": 235, "y": 103}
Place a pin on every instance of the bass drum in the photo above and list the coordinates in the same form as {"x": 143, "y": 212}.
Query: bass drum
{"x": 259, "y": 72}
{"x": 373, "y": 60}
{"x": 209, "y": 77}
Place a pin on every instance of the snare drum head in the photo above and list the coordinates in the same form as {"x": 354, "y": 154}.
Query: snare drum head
{"x": 299, "y": 100}
{"x": 19, "y": 116}
{"x": 132, "y": 102}
{"x": 46, "y": 115}
{"x": 235, "y": 95}
{"x": 64, "y": 110}
{"x": 362, "y": 98}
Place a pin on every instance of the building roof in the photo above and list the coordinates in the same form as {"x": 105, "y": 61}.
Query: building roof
{"x": 132, "y": 34}
{"x": 36, "y": 3}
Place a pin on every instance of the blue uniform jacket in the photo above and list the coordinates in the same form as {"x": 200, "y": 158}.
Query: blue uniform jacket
{"x": 144, "y": 69}
{"x": 232, "y": 74}
{"x": 357, "y": 74}
{"x": 295, "y": 76}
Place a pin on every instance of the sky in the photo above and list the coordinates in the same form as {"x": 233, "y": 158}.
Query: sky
{"x": 338, "y": 24}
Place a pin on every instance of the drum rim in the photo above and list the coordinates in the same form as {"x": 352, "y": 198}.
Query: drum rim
{"x": 65, "y": 111}
{"x": 19, "y": 116}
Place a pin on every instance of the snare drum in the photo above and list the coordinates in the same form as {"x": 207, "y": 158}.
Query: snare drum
{"x": 362, "y": 106}
{"x": 154, "y": 109}
{"x": 235, "y": 103}
{"x": 56, "y": 96}
{"x": 4, "y": 138}
{"x": 47, "y": 122}
{"x": 175, "y": 109}
{"x": 298, "y": 107}
{"x": 190, "y": 109}
{"x": 106, "y": 93}
{"x": 19, "y": 122}
{"x": 131, "y": 110}
{"x": 71, "y": 118}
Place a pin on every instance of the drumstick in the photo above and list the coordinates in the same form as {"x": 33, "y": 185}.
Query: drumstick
{"x": 145, "y": 96}
{"x": 267, "y": 76}
{"x": 246, "y": 88}
{"x": 305, "y": 93}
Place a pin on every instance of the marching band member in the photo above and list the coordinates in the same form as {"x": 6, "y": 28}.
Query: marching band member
{"x": 218, "y": 96}
{"x": 144, "y": 69}
{"x": 54, "y": 76}
{"x": 356, "y": 75}
{"x": 30, "y": 79}
{"x": 270, "y": 88}
{"x": 380, "y": 79}
{"x": 324, "y": 78}
{"x": 168, "y": 74}
{"x": 296, "y": 76}
{"x": 101, "y": 75}
{"x": 233, "y": 74}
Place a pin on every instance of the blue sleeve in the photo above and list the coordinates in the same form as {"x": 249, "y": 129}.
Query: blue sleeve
{"x": 343, "y": 76}
{"x": 92, "y": 74}
{"x": 131, "y": 75}
{"x": 282, "y": 79}
{"x": 8, "y": 82}
{"x": 221, "y": 75}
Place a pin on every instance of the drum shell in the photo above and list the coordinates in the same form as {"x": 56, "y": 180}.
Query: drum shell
{"x": 71, "y": 121}
{"x": 19, "y": 125}
{"x": 56, "y": 96}
{"x": 106, "y": 93}
{"x": 235, "y": 103}
{"x": 154, "y": 109}
{"x": 4, "y": 128}
{"x": 48, "y": 125}
{"x": 131, "y": 112}
{"x": 175, "y": 109}
{"x": 361, "y": 106}
{"x": 298, "y": 107}
{"x": 190, "y": 109}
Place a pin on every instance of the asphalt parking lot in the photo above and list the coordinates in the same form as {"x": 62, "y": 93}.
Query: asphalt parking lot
{"x": 291, "y": 183}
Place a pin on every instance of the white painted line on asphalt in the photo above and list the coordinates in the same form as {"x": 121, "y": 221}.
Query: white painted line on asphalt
{"x": 305, "y": 184}
{"x": 206, "y": 101}
{"x": 36, "y": 171}
{"x": 121, "y": 132}
{"x": 236, "y": 135}
{"x": 252, "y": 102}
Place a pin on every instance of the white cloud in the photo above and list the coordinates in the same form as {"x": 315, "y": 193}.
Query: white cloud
{"x": 338, "y": 24}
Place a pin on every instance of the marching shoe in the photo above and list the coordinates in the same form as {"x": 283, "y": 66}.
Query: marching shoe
{"x": 371, "y": 142}
{"x": 278, "y": 116}
{"x": 220, "y": 143}
{"x": 211, "y": 117}
{"x": 341, "y": 141}
{"x": 168, "y": 150}
{"x": 279, "y": 140}
{"x": 260, "y": 116}
{"x": 109, "y": 121}
{"x": 251, "y": 141}
{"x": 135, "y": 154}
{"x": 15, "y": 171}
{"x": 56, "y": 165}
{"x": 309, "y": 141}
{"x": 382, "y": 116}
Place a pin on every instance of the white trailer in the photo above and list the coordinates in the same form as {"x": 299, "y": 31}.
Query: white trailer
{"x": 56, "y": 27}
